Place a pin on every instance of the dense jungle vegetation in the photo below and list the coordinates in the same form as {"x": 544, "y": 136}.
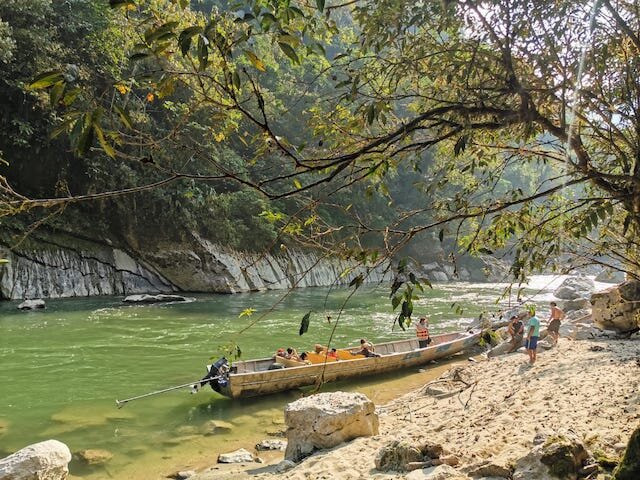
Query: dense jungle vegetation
{"x": 352, "y": 126}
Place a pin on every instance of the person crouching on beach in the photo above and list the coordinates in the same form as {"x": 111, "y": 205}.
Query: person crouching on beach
{"x": 533, "y": 332}
{"x": 554, "y": 322}
{"x": 516, "y": 330}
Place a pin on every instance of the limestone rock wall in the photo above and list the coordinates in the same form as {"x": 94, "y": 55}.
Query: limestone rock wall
{"x": 43, "y": 269}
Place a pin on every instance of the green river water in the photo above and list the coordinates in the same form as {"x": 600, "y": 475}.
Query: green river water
{"x": 62, "y": 369}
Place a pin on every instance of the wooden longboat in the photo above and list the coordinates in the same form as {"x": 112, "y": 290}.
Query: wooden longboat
{"x": 253, "y": 378}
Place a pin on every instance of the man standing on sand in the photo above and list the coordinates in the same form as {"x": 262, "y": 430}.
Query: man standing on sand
{"x": 533, "y": 332}
{"x": 554, "y": 322}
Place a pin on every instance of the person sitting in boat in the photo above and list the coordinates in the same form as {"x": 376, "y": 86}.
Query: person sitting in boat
{"x": 281, "y": 353}
{"x": 367, "y": 349}
{"x": 292, "y": 354}
{"x": 422, "y": 332}
{"x": 333, "y": 353}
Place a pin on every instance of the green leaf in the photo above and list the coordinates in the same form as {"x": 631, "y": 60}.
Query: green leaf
{"x": 55, "y": 94}
{"x": 4, "y": 260}
{"x": 401, "y": 321}
{"x": 402, "y": 264}
{"x": 304, "y": 324}
{"x": 46, "y": 79}
{"x": 121, "y": 3}
{"x": 460, "y": 145}
{"x": 255, "y": 61}
{"x": 124, "y": 116}
{"x": 320, "y": 5}
{"x": 84, "y": 136}
{"x": 235, "y": 79}
{"x": 371, "y": 114}
{"x": 163, "y": 32}
{"x": 70, "y": 96}
{"x": 289, "y": 52}
{"x": 139, "y": 56}
{"x": 426, "y": 281}
{"x": 108, "y": 149}
{"x": 395, "y": 301}
{"x": 185, "y": 37}
{"x": 357, "y": 281}
{"x": 289, "y": 40}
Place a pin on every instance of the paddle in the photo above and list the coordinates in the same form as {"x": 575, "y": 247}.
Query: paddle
{"x": 121, "y": 403}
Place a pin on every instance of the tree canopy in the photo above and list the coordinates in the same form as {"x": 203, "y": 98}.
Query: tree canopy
{"x": 519, "y": 118}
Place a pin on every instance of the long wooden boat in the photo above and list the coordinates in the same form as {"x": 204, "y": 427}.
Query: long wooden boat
{"x": 260, "y": 377}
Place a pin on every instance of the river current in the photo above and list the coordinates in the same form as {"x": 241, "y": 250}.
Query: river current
{"x": 62, "y": 369}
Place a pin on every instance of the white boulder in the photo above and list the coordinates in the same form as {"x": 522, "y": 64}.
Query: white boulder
{"x": 573, "y": 288}
{"x": 271, "y": 444}
{"x": 239, "y": 456}
{"x": 325, "y": 420}
{"x": 610, "y": 276}
{"x": 151, "y": 298}
{"x": 32, "y": 304}
{"x": 46, "y": 460}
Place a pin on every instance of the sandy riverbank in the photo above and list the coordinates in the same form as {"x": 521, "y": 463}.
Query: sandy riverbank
{"x": 591, "y": 388}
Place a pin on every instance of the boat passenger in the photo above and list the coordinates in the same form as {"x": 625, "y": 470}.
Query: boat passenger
{"x": 422, "y": 332}
{"x": 367, "y": 349}
{"x": 333, "y": 353}
{"x": 281, "y": 353}
{"x": 292, "y": 354}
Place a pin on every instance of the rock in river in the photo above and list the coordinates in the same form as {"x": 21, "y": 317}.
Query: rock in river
{"x": 159, "y": 298}
{"x": 32, "y": 304}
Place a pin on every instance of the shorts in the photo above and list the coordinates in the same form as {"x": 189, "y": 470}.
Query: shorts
{"x": 532, "y": 343}
{"x": 554, "y": 326}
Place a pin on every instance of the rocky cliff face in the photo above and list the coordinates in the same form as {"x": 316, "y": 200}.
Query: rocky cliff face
{"x": 42, "y": 268}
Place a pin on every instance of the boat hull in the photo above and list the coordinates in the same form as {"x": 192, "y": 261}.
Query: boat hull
{"x": 253, "y": 378}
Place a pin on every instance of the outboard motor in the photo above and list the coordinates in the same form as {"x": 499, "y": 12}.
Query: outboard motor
{"x": 217, "y": 374}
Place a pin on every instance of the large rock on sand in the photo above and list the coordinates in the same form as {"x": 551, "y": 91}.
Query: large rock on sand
{"x": 46, "y": 460}
{"x": 396, "y": 455}
{"x": 326, "y": 420}
{"x": 573, "y": 288}
{"x": 617, "y": 308}
{"x": 560, "y": 456}
{"x": 629, "y": 467}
